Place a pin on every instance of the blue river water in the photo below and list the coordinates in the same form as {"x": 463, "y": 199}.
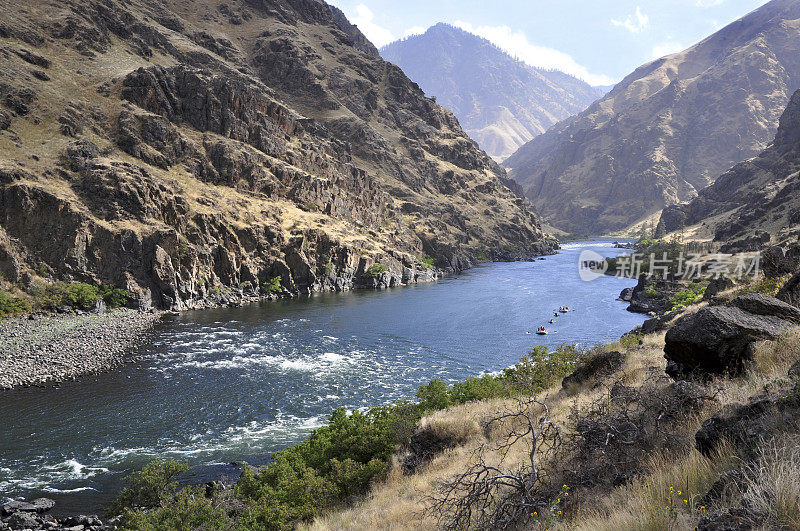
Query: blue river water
{"x": 219, "y": 386}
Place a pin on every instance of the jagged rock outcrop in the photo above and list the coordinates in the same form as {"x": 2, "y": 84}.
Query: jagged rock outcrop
{"x": 501, "y": 102}
{"x": 777, "y": 261}
{"x": 755, "y": 202}
{"x": 194, "y": 155}
{"x": 718, "y": 340}
{"x": 790, "y": 292}
{"x": 653, "y": 295}
{"x": 669, "y": 129}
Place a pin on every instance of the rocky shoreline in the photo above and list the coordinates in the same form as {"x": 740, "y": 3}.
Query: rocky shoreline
{"x": 49, "y": 348}
{"x": 18, "y": 515}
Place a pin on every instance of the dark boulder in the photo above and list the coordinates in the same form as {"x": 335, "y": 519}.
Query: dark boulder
{"x": 33, "y": 58}
{"x": 717, "y": 286}
{"x": 728, "y": 484}
{"x": 741, "y": 425}
{"x": 790, "y": 292}
{"x": 19, "y": 101}
{"x": 794, "y": 371}
{"x": 82, "y": 520}
{"x": 42, "y": 505}
{"x": 717, "y": 340}
{"x": 653, "y": 295}
{"x": 660, "y": 323}
{"x": 763, "y": 305}
{"x": 16, "y": 506}
{"x": 594, "y": 367}
{"x": 428, "y": 442}
{"x": 777, "y": 261}
{"x": 626, "y": 295}
{"x": 740, "y": 519}
{"x": 5, "y": 120}
{"x": 23, "y": 520}
{"x": 40, "y": 75}
{"x": 80, "y": 153}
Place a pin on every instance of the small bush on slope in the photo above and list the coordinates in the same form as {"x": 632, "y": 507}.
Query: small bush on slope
{"x": 77, "y": 295}
{"x": 149, "y": 487}
{"x": 12, "y": 305}
{"x": 190, "y": 509}
{"x": 114, "y": 297}
{"x": 693, "y": 294}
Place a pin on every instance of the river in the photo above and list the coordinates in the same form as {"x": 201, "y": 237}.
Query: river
{"x": 225, "y": 385}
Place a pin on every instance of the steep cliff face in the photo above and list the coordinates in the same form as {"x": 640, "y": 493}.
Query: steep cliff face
{"x": 501, "y": 102}
{"x": 191, "y": 151}
{"x": 754, "y": 203}
{"x": 668, "y": 129}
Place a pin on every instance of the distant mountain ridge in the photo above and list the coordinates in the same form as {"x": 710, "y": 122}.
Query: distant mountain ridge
{"x": 668, "y": 129}
{"x": 756, "y": 202}
{"x": 500, "y": 101}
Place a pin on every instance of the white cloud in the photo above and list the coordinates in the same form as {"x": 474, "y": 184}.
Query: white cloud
{"x": 633, "y": 23}
{"x": 516, "y": 44}
{"x": 364, "y": 19}
{"x": 709, "y": 3}
{"x": 414, "y": 30}
{"x": 666, "y": 48}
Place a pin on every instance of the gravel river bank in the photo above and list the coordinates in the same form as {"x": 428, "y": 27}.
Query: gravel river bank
{"x": 53, "y": 348}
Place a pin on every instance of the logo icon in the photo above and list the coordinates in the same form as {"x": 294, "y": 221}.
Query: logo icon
{"x": 591, "y": 265}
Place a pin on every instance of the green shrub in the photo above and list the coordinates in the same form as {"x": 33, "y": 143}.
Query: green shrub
{"x": 375, "y": 270}
{"x": 190, "y": 509}
{"x": 427, "y": 261}
{"x": 115, "y": 297}
{"x": 479, "y": 388}
{"x": 337, "y": 461}
{"x": 650, "y": 293}
{"x": 326, "y": 268}
{"x": 149, "y": 487}
{"x": 281, "y": 495}
{"x": 75, "y": 294}
{"x": 12, "y": 305}
{"x": 691, "y": 295}
{"x": 272, "y": 285}
{"x": 434, "y": 396}
{"x": 542, "y": 368}
{"x": 630, "y": 340}
{"x": 81, "y": 296}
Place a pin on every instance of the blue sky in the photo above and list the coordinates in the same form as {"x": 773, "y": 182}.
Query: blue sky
{"x": 599, "y": 41}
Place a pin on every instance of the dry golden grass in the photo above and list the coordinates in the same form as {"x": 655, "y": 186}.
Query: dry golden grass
{"x": 666, "y": 498}
{"x": 450, "y": 427}
{"x": 772, "y": 361}
{"x": 774, "y": 481}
